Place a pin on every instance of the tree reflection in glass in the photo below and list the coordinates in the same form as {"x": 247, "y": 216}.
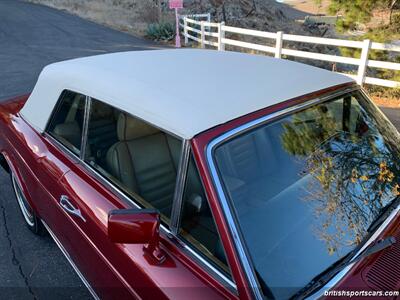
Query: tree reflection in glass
{"x": 354, "y": 167}
{"x": 306, "y": 187}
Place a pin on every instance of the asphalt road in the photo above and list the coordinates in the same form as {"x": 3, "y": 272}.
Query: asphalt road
{"x": 393, "y": 115}
{"x": 32, "y": 36}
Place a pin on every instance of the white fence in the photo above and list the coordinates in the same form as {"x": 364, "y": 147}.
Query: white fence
{"x": 197, "y": 17}
{"x": 213, "y": 34}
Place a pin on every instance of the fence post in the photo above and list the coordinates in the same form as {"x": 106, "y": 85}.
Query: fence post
{"x": 185, "y": 31}
{"x": 209, "y": 17}
{"x": 279, "y": 42}
{"x": 221, "y": 35}
{"x": 362, "y": 68}
{"x": 203, "y": 35}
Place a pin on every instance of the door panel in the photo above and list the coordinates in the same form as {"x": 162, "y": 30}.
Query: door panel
{"x": 40, "y": 166}
{"x": 127, "y": 263}
{"x": 119, "y": 271}
{"x": 87, "y": 235}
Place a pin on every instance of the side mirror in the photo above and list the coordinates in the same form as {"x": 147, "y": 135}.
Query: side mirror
{"x": 137, "y": 226}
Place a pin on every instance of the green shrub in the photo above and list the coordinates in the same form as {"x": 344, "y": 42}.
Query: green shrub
{"x": 161, "y": 31}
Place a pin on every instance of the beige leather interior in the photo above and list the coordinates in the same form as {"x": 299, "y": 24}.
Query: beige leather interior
{"x": 67, "y": 125}
{"x": 129, "y": 128}
{"x": 69, "y": 132}
{"x": 145, "y": 160}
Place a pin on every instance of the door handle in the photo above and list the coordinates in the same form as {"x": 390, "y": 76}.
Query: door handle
{"x": 70, "y": 208}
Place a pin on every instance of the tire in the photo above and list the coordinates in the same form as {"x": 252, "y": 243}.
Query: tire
{"x": 31, "y": 220}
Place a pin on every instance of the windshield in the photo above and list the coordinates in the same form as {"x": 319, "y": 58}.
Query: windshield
{"x": 306, "y": 187}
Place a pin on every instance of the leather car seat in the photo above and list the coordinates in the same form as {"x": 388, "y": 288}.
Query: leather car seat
{"x": 69, "y": 132}
{"x": 145, "y": 161}
{"x": 102, "y": 132}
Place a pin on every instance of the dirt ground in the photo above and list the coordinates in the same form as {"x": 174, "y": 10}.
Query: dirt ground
{"x": 387, "y": 102}
{"x": 309, "y": 6}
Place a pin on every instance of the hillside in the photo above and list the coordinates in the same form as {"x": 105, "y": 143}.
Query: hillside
{"x": 135, "y": 15}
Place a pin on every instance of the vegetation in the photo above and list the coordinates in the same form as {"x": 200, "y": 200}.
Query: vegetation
{"x": 161, "y": 31}
{"x": 361, "y": 12}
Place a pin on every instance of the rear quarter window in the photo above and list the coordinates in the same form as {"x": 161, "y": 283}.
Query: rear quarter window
{"x": 66, "y": 123}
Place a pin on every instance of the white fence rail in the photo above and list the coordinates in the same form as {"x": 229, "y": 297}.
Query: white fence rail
{"x": 214, "y": 35}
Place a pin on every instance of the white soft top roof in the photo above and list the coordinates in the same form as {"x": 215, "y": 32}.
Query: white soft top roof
{"x": 184, "y": 92}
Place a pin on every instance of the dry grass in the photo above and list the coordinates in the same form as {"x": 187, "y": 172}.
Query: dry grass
{"x": 386, "y": 102}
{"x": 131, "y": 16}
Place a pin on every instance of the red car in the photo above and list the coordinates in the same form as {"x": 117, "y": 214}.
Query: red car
{"x": 194, "y": 174}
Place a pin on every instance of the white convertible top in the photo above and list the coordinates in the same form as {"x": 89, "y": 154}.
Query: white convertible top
{"x": 184, "y": 92}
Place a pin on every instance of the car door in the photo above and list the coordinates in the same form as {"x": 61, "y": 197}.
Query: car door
{"x": 138, "y": 168}
{"x": 63, "y": 217}
{"x": 64, "y": 131}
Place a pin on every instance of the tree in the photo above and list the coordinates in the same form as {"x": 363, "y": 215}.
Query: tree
{"x": 358, "y": 11}
{"x": 355, "y": 12}
{"x": 392, "y": 6}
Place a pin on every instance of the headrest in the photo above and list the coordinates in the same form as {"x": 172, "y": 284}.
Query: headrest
{"x": 101, "y": 110}
{"x": 69, "y": 131}
{"x": 129, "y": 128}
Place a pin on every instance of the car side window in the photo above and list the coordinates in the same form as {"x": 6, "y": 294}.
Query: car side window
{"x": 198, "y": 227}
{"x": 139, "y": 158}
{"x": 66, "y": 123}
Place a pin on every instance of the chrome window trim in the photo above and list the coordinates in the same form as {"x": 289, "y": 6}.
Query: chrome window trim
{"x": 55, "y": 108}
{"x": 210, "y": 266}
{"x": 230, "y": 218}
{"x": 85, "y": 129}
{"x": 52, "y": 140}
{"x": 330, "y": 284}
{"x": 335, "y": 280}
{"x": 47, "y": 133}
{"x": 168, "y": 233}
{"x": 179, "y": 187}
{"x": 185, "y": 244}
{"x": 178, "y": 193}
{"x": 94, "y": 173}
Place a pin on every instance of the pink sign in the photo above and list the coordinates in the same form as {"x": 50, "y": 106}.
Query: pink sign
{"x": 175, "y": 4}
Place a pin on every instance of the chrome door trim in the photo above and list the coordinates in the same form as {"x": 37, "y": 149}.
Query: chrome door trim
{"x": 208, "y": 265}
{"x": 119, "y": 193}
{"x": 179, "y": 187}
{"x": 231, "y": 220}
{"x": 167, "y": 233}
{"x": 69, "y": 259}
{"x": 85, "y": 129}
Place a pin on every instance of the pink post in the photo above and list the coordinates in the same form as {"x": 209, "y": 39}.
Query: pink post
{"x": 177, "y": 35}
{"x": 176, "y": 4}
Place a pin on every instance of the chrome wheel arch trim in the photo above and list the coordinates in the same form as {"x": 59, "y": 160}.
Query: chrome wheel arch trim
{"x": 19, "y": 194}
{"x": 230, "y": 218}
{"x": 69, "y": 259}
